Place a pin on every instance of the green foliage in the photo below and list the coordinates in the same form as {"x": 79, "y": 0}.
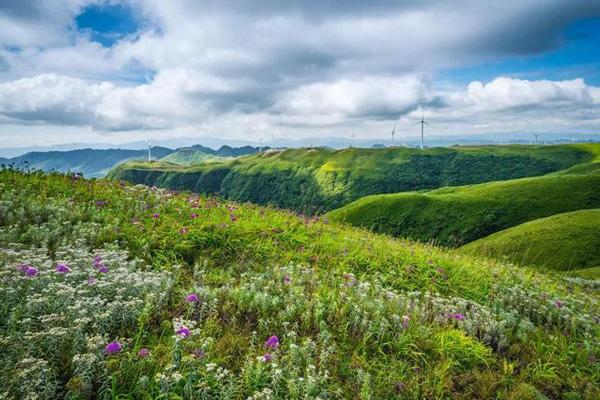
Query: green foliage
{"x": 562, "y": 242}
{"x": 357, "y": 314}
{"x": 454, "y": 216}
{"x": 317, "y": 180}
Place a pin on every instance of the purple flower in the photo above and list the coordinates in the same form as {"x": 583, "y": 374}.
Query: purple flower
{"x": 267, "y": 357}
{"x": 183, "y": 332}
{"x": 558, "y": 303}
{"x": 91, "y": 280}
{"x": 156, "y": 215}
{"x": 194, "y": 216}
{"x": 103, "y": 269}
{"x": 63, "y": 269}
{"x": 97, "y": 261}
{"x": 198, "y": 353}
{"x": 456, "y": 316}
{"x": 113, "y": 347}
{"x": 287, "y": 280}
{"x": 405, "y": 321}
{"x": 399, "y": 387}
{"x": 192, "y": 298}
{"x": 272, "y": 343}
{"x": 144, "y": 353}
{"x": 31, "y": 271}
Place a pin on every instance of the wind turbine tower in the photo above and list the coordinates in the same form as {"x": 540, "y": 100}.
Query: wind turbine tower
{"x": 393, "y": 134}
{"x": 536, "y": 137}
{"x": 149, "y": 151}
{"x": 423, "y": 123}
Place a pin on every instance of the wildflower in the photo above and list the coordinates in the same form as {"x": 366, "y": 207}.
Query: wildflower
{"x": 31, "y": 271}
{"x": 558, "y": 303}
{"x": 113, "y": 347}
{"x": 194, "y": 216}
{"x": 192, "y": 298}
{"x": 91, "y": 280}
{"x": 399, "y": 387}
{"x": 63, "y": 269}
{"x": 97, "y": 261}
{"x": 267, "y": 357}
{"x": 287, "y": 280}
{"x": 198, "y": 353}
{"x": 156, "y": 215}
{"x": 272, "y": 343}
{"x": 184, "y": 230}
{"x": 144, "y": 352}
{"x": 232, "y": 217}
{"x": 103, "y": 269}
{"x": 405, "y": 321}
{"x": 456, "y": 316}
{"x": 183, "y": 332}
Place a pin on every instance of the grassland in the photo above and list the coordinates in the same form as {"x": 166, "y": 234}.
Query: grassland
{"x": 316, "y": 180}
{"x": 96, "y": 279}
{"x": 562, "y": 242}
{"x": 453, "y": 216}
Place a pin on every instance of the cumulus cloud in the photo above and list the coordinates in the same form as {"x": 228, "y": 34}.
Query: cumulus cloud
{"x": 283, "y": 65}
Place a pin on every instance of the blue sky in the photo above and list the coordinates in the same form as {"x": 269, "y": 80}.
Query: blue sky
{"x": 117, "y": 71}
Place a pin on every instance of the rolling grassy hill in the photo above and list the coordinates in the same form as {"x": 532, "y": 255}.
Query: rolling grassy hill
{"x": 187, "y": 156}
{"x": 454, "y": 216}
{"x": 120, "y": 291}
{"x": 317, "y": 180}
{"x": 562, "y": 242}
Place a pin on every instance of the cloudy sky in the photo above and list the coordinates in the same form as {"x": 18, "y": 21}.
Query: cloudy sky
{"x": 117, "y": 71}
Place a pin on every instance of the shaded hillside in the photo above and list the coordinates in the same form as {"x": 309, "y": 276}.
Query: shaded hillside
{"x": 90, "y": 162}
{"x": 457, "y": 215}
{"x": 563, "y": 242}
{"x": 317, "y": 180}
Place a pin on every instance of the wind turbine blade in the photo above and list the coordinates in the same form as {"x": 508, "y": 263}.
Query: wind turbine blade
{"x": 427, "y": 124}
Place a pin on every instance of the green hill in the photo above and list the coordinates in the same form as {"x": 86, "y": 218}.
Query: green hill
{"x": 563, "y": 242}
{"x": 187, "y": 156}
{"x": 317, "y": 180}
{"x": 454, "y": 216}
{"x": 117, "y": 291}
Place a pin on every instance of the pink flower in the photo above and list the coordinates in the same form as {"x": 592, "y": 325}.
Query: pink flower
{"x": 113, "y": 347}
{"x": 267, "y": 357}
{"x": 184, "y": 230}
{"x": 63, "y": 269}
{"x": 156, "y": 215}
{"x": 192, "y": 298}
{"x": 272, "y": 343}
{"x": 144, "y": 353}
{"x": 405, "y": 321}
{"x": 194, "y": 216}
{"x": 287, "y": 280}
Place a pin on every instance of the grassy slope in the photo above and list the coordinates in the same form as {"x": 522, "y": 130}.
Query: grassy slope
{"x": 369, "y": 354}
{"x": 315, "y": 180}
{"x": 458, "y": 215}
{"x": 187, "y": 157}
{"x": 561, "y": 242}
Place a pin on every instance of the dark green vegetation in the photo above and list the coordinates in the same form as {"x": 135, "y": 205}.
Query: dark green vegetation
{"x": 317, "y": 180}
{"x": 561, "y": 242}
{"x": 454, "y": 216}
{"x": 358, "y": 315}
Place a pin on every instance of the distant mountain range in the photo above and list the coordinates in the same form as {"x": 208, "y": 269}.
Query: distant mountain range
{"x": 96, "y": 163}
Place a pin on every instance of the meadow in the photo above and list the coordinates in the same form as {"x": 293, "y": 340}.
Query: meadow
{"x": 111, "y": 290}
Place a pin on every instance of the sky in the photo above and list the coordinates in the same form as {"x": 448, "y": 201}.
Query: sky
{"x": 120, "y": 71}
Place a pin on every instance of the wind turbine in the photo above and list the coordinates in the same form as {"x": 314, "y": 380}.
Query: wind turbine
{"x": 393, "y": 133}
{"x": 423, "y": 123}
{"x": 149, "y": 151}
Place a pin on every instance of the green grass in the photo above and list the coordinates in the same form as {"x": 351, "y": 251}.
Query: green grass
{"x": 453, "y": 216}
{"x": 318, "y": 180}
{"x": 188, "y": 157}
{"x": 359, "y": 315}
{"x": 562, "y": 242}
